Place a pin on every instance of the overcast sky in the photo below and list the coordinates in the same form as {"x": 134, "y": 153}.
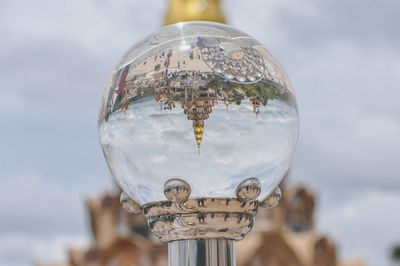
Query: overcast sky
{"x": 343, "y": 58}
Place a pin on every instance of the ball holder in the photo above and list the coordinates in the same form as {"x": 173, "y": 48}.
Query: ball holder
{"x": 202, "y": 231}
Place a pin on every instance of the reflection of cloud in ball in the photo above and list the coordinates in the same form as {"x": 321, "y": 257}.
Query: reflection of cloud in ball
{"x": 236, "y": 145}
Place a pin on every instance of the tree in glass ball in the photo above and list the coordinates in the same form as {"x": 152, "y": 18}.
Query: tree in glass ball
{"x": 198, "y": 123}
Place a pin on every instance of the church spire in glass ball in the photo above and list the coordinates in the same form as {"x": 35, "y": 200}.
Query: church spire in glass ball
{"x": 198, "y": 86}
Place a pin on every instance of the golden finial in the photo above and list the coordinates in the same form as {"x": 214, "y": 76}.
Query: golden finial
{"x": 198, "y": 128}
{"x": 189, "y": 10}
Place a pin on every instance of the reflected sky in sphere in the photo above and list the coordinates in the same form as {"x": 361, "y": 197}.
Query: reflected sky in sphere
{"x": 202, "y": 102}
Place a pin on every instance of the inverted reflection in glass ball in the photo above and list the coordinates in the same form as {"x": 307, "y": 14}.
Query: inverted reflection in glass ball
{"x": 200, "y": 101}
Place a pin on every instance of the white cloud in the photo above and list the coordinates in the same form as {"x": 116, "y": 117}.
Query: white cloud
{"x": 344, "y": 63}
{"x": 236, "y": 145}
{"x": 97, "y": 26}
{"x": 23, "y": 249}
{"x": 365, "y": 225}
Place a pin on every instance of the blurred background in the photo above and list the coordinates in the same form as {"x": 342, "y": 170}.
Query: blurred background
{"x": 343, "y": 58}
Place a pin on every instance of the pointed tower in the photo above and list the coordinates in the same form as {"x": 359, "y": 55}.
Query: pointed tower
{"x": 255, "y": 102}
{"x": 198, "y": 128}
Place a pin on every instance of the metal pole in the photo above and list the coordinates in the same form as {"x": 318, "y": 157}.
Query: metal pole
{"x": 202, "y": 252}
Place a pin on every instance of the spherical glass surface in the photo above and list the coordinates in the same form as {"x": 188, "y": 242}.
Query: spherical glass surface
{"x": 202, "y": 102}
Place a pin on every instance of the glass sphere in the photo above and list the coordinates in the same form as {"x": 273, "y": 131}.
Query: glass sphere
{"x": 199, "y": 101}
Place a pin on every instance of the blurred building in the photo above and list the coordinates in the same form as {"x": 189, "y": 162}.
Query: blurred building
{"x": 282, "y": 236}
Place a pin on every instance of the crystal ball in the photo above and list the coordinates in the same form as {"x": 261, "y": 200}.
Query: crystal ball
{"x": 202, "y": 102}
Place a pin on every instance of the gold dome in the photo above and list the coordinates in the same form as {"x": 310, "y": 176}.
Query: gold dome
{"x": 190, "y": 10}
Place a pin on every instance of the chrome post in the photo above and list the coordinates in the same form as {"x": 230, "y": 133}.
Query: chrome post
{"x": 202, "y": 252}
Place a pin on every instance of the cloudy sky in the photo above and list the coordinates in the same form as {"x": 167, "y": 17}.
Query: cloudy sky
{"x": 55, "y": 56}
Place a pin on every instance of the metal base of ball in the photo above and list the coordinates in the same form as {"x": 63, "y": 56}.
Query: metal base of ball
{"x": 203, "y": 252}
